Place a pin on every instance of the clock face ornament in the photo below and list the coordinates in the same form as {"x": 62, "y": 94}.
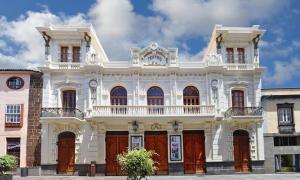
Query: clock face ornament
{"x": 214, "y": 83}
{"x": 93, "y": 83}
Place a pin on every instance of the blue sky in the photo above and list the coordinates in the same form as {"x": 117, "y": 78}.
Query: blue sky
{"x": 122, "y": 24}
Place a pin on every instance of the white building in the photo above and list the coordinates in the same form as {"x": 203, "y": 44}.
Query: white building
{"x": 200, "y": 116}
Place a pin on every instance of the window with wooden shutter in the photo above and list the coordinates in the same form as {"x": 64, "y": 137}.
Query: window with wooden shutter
{"x": 230, "y": 55}
{"x": 241, "y": 55}
{"x": 76, "y": 54}
{"x": 64, "y": 54}
{"x": 237, "y": 97}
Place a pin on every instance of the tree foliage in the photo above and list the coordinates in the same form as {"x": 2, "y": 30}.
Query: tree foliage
{"x": 7, "y": 163}
{"x": 137, "y": 163}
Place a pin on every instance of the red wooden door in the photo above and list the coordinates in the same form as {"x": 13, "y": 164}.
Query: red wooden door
{"x": 237, "y": 102}
{"x": 66, "y": 153}
{"x": 237, "y": 98}
{"x": 241, "y": 153}
{"x": 116, "y": 143}
{"x": 194, "y": 152}
{"x": 158, "y": 142}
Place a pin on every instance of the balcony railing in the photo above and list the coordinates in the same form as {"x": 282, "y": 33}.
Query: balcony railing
{"x": 62, "y": 112}
{"x": 286, "y": 128}
{"x": 243, "y": 111}
{"x": 66, "y": 65}
{"x": 69, "y": 57}
{"x": 190, "y": 110}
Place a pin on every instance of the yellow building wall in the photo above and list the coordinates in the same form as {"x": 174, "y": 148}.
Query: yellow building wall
{"x": 272, "y": 118}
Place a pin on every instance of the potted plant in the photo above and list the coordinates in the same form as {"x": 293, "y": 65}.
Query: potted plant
{"x": 137, "y": 163}
{"x": 7, "y": 163}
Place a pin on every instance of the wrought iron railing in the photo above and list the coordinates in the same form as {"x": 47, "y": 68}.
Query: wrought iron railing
{"x": 286, "y": 128}
{"x": 62, "y": 112}
{"x": 243, "y": 111}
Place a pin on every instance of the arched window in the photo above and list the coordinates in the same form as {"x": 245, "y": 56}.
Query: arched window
{"x": 155, "y": 96}
{"x": 118, "y": 96}
{"x": 190, "y": 96}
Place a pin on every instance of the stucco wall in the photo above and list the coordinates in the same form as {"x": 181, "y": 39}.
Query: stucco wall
{"x": 271, "y": 118}
{"x": 9, "y": 96}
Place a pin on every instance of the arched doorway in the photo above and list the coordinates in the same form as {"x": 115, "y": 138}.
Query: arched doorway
{"x": 241, "y": 151}
{"x": 66, "y": 153}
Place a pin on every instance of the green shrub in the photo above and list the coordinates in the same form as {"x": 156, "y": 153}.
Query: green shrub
{"x": 137, "y": 163}
{"x": 7, "y": 163}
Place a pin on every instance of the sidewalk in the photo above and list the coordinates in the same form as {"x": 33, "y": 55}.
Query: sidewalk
{"x": 292, "y": 176}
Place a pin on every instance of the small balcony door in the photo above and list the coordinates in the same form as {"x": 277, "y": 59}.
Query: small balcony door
{"x": 230, "y": 57}
{"x": 241, "y": 55}
{"x": 155, "y": 99}
{"x": 69, "y": 102}
{"x": 118, "y": 99}
{"x": 191, "y": 99}
{"x": 76, "y": 54}
{"x": 64, "y": 54}
{"x": 237, "y": 102}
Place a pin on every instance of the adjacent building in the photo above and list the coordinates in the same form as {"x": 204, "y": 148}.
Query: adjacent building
{"x": 281, "y": 129}
{"x": 200, "y": 116}
{"x": 20, "y": 104}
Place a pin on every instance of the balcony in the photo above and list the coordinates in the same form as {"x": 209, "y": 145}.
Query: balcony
{"x": 152, "y": 111}
{"x": 66, "y": 65}
{"x": 61, "y": 113}
{"x": 235, "y": 66}
{"x": 69, "y": 57}
{"x": 286, "y": 128}
{"x": 243, "y": 111}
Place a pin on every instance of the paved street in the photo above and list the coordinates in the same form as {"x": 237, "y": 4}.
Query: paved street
{"x": 206, "y": 177}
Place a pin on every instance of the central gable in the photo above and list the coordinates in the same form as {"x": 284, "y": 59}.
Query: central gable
{"x": 154, "y": 55}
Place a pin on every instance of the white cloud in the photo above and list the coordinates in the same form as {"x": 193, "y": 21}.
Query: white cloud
{"x": 22, "y": 33}
{"x": 283, "y": 72}
{"x": 197, "y": 18}
{"x": 119, "y": 27}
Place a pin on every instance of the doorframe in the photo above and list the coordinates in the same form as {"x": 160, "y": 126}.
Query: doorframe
{"x": 57, "y": 143}
{"x": 195, "y": 131}
{"x": 250, "y": 160}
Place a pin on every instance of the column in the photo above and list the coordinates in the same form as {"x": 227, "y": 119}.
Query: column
{"x": 44, "y": 143}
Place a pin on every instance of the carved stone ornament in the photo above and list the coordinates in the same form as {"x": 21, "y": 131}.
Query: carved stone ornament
{"x": 154, "y": 55}
{"x": 156, "y": 126}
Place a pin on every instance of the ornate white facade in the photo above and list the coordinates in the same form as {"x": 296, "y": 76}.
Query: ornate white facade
{"x": 94, "y": 76}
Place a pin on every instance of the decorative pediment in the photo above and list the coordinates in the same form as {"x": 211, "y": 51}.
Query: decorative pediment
{"x": 154, "y": 55}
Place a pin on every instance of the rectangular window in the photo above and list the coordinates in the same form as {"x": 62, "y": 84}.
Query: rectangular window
{"x": 287, "y": 141}
{"x": 13, "y": 115}
{"x": 230, "y": 56}
{"x": 285, "y": 118}
{"x": 13, "y": 147}
{"x": 285, "y": 115}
